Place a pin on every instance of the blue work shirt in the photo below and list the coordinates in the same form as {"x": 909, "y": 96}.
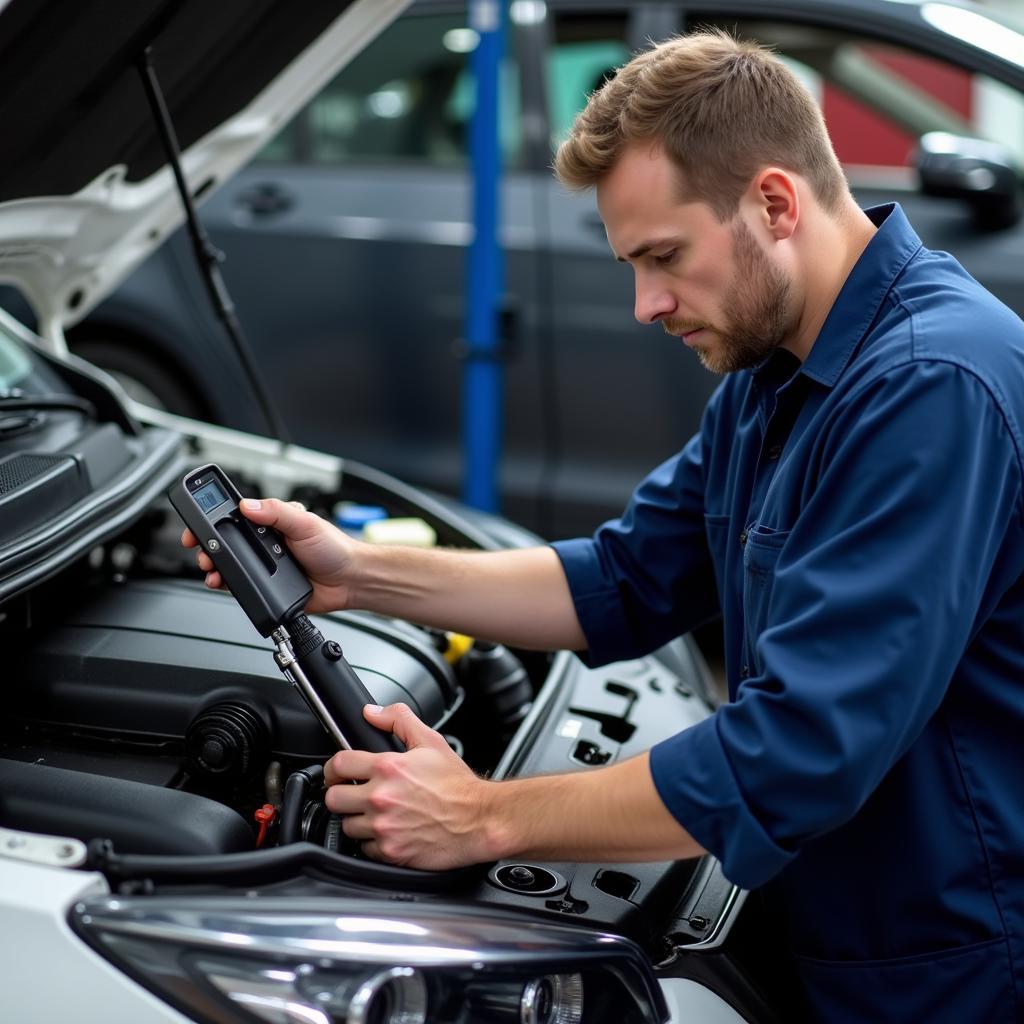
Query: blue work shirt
{"x": 857, "y": 522}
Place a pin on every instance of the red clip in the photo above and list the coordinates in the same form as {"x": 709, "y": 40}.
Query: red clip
{"x": 264, "y": 815}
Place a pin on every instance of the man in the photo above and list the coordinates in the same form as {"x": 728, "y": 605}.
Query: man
{"x": 852, "y": 508}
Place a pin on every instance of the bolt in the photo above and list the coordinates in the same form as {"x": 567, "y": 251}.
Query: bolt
{"x": 332, "y": 651}
{"x": 521, "y": 876}
{"x": 65, "y": 851}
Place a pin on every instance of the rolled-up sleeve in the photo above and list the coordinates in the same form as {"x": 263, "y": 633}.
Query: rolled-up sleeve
{"x": 909, "y": 535}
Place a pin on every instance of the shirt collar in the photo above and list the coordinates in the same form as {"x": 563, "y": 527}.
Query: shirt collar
{"x": 890, "y": 249}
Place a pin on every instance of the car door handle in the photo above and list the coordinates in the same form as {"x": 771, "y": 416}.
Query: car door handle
{"x": 265, "y": 200}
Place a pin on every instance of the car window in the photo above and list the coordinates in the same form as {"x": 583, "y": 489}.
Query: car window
{"x": 575, "y": 70}
{"x": 584, "y": 52}
{"x": 285, "y": 147}
{"x": 878, "y": 99}
{"x": 407, "y": 98}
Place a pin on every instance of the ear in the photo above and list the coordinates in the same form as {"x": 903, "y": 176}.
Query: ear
{"x": 776, "y": 199}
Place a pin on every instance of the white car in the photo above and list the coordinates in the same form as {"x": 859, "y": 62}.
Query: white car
{"x": 165, "y": 855}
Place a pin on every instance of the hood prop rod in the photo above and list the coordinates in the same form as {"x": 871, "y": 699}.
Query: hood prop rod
{"x": 208, "y": 256}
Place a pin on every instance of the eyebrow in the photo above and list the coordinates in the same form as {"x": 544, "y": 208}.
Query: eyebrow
{"x": 647, "y": 247}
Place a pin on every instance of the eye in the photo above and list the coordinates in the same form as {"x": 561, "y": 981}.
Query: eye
{"x": 666, "y": 258}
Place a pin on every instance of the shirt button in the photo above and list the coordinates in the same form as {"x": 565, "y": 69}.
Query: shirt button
{"x": 775, "y": 451}
{"x": 744, "y": 671}
{"x": 743, "y": 537}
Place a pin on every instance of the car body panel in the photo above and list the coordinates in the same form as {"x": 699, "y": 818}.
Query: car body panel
{"x": 56, "y": 970}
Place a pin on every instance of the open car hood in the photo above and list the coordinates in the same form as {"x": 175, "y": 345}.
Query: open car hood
{"x": 85, "y": 189}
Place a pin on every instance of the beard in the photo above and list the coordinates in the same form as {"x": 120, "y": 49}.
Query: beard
{"x": 757, "y": 304}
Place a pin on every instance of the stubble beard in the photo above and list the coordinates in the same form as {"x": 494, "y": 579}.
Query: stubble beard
{"x": 757, "y": 304}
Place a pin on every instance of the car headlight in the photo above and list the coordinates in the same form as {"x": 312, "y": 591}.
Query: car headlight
{"x": 346, "y": 961}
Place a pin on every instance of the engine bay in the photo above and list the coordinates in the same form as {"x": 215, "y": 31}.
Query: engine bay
{"x": 149, "y": 714}
{"x": 150, "y": 720}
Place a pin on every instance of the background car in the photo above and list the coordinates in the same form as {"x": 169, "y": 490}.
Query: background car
{"x": 346, "y": 238}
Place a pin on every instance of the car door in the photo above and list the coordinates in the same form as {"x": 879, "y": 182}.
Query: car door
{"x": 346, "y": 243}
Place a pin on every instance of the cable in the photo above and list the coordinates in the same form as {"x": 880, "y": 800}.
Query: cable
{"x": 257, "y": 867}
{"x": 296, "y": 792}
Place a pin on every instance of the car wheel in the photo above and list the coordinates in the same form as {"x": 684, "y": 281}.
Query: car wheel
{"x": 144, "y": 377}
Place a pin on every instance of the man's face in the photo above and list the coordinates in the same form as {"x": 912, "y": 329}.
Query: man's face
{"x": 711, "y": 284}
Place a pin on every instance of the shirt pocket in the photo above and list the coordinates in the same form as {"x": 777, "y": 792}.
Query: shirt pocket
{"x": 760, "y": 556}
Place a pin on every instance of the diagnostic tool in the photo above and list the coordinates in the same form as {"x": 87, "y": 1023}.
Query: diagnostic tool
{"x": 272, "y": 589}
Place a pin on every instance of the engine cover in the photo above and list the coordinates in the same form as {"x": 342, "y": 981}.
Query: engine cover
{"x": 166, "y": 684}
{"x": 148, "y": 658}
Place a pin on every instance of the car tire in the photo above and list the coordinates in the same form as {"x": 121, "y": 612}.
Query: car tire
{"x": 144, "y": 376}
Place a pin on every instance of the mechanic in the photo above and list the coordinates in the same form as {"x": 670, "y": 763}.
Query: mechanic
{"x": 851, "y": 508}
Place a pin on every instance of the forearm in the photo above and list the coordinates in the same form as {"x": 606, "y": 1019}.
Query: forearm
{"x": 520, "y": 597}
{"x": 608, "y": 814}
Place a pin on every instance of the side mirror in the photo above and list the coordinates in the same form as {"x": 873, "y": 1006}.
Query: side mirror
{"x": 982, "y": 174}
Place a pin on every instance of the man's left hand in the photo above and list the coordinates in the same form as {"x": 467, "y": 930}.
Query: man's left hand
{"x": 421, "y": 808}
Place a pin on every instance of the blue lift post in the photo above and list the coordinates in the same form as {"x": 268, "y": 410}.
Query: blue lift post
{"x": 482, "y": 386}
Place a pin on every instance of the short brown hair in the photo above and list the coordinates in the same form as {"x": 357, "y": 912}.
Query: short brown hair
{"x": 721, "y": 108}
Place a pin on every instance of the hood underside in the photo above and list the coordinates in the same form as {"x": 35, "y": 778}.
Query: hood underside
{"x": 85, "y": 189}
{"x": 71, "y": 98}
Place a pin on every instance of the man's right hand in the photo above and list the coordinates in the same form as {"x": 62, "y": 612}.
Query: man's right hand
{"x": 325, "y": 553}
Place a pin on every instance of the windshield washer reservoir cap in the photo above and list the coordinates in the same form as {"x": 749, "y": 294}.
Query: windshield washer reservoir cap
{"x": 352, "y": 517}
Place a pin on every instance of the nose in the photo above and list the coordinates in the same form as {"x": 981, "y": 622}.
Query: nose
{"x": 653, "y": 301}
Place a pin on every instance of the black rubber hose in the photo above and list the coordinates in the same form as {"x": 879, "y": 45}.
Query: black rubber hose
{"x": 262, "y": 867}
{"x": 296, "y": 792}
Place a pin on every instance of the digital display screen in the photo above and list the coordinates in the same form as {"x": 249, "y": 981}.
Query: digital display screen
{"x": 209, "y": 496}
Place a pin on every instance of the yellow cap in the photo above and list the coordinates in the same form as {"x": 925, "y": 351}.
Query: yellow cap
{"x": 458, "y": 645}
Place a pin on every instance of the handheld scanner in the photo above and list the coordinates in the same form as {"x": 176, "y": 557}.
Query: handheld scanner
{"x": 253, "y": 560}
